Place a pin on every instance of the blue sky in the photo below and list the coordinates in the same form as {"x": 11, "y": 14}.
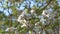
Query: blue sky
{"x": 21, "y": 6}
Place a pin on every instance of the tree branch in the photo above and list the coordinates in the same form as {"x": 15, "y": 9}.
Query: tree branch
{"x": 43, "y": 7}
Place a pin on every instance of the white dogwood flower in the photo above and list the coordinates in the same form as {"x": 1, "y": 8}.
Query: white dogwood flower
{"x": 45, "y": 13}
{"x": 11, "y": 29}
{"x": 32, "y": 11}
{"x": 7, "y": 29}
{"x": 24, "y": 25}
{"x": 20, "y": 17}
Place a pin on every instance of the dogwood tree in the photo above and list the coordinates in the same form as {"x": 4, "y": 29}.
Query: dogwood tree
{"x": 30, "y": 17}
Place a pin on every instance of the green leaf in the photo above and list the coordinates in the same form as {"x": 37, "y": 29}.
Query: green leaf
{"x": 15, "y": 11}
{"x": 30, "y": 32}
{"x": 26, "y": 11}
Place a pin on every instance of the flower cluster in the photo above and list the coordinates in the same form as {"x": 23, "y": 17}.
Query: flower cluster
{"x": 24, "y": 19}
{"x": 44, "y": 19}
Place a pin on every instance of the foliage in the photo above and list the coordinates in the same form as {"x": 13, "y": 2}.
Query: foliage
{"x": 43, "y": 19}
